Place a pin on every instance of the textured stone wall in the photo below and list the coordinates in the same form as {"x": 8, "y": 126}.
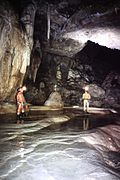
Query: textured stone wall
{"x": 15, "y": 50}
{"x": 72, "y": 26}
{"x": 62, "y": 60}
{"x": 95, "y": 66}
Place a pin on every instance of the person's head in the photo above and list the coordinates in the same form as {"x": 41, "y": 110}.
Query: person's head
{"x": 86, "y": 88}
{"x": 19, "y": 89}
{"x": 24, "y": 88}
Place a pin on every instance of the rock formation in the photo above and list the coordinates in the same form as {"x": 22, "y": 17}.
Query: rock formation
{"x": 15, "y": 50}
{"x": 54, "y": 100}
{"x": 70, "y": 30}
{"x": 82, "y": 49}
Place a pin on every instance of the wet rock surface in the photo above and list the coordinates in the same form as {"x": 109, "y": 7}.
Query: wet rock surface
{"x": 14, "y": 52}
{"x": 44, "y": 145}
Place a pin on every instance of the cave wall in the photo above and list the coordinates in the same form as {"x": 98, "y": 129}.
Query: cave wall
{"x": 15, "y": 48}
{"x": 70, "y": 59}
{"x": 73, "y": 25}
{"x": 95, "y": 66}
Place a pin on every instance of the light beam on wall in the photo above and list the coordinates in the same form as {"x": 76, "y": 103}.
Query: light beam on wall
{"x": 109, "y": 37}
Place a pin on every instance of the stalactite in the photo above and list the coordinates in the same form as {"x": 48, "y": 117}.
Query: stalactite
{"x": 28, "y": 17}
{"x": 36, "y": 57}
{"x": 48, "y": 23}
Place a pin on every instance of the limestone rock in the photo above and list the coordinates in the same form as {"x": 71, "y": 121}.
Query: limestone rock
{"x": 111, "y": 80}
{"x": 96, "y": 91}
{"x": 112, "y": 86}
{"x": 95, "y": 23}
{"x": 54, "y": 100}
{"x": 27, "y": 18}
{"x": 96, "y": 103}
{"x": 112, "y": 97}
{"x": 14, "y": 52}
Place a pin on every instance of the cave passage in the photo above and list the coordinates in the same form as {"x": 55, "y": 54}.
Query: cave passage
{"x": 56, "y": 48}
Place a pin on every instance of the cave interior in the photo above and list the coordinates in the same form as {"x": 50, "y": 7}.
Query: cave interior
{"x": 72, "y": 44}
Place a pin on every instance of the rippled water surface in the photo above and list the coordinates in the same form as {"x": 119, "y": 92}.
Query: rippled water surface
{"x": 60, "y": 146}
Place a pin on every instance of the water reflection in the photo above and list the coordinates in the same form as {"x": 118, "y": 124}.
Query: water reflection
{"x": 86, "y": 123}
{"x": 20, "y": 145}
{"x": 78, "y": 123}
{"x": 61, "y": 146}
{"x": 20, "y": 121}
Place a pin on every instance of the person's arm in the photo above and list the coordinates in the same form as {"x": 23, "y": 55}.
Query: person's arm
{"x": 24, "y": 100}
{"x": 89, "y": 97}
{"x": 83, "y": 97}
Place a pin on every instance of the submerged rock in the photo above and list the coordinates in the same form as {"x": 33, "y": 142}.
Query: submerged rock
{"x": 107, "y": 138}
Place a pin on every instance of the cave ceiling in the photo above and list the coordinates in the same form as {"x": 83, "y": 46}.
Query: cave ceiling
{"x": 73, "y": 23}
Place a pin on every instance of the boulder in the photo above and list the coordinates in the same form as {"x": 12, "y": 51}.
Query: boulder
{"x": 96, "y": 91}
{"x": 111, "y": 80}
{"x": 112, "y": 86}
{"x": 54, "y": 100}
{"x": 112, "y": 98}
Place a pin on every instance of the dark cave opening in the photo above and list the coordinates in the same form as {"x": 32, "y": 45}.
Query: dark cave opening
{"x": 102, "y": 59}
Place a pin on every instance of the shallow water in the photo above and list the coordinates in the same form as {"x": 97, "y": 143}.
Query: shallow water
{"x": 60, "y": 146}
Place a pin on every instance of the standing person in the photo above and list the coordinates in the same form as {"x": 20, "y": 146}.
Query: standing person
{"x": 21, "y": 102}
{"x": 86, "y": 98}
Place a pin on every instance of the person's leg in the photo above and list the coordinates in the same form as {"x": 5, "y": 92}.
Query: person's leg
{"x": 87, "y": 104}
{"x": 23, "y": 111}
{"x": 18, "y": 111}
{"x": 84, "y": 105}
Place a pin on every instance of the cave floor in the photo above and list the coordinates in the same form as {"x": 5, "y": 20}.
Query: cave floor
{"x": 64, "y": 144}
